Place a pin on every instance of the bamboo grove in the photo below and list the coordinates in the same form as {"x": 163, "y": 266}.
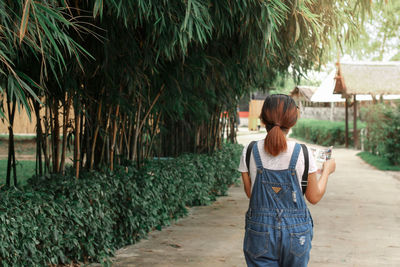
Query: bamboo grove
{"x": 114, "y": 82}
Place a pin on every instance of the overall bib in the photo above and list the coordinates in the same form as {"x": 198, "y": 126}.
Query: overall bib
{"x": 279, "y": 227}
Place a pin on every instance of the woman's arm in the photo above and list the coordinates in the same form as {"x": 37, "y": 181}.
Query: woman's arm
{"x": 316, "y": 188}
{"x": 247, "y": 183}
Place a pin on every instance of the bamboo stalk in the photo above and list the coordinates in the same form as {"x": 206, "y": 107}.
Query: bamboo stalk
{"x": 39, "y": 140}
{"x": 77, "y": 143}
{"x": 45, "y": 143}
{"x": 51, "y": 146}
{"x": 153, "y": 134}
{"x": 106, "y": 130}
{"x": 96, "y": 132}
{"x": 135, "y": 139}
{"x": 65, "y": 123}
{"x": 140, "y": 126}
{"x": 122, "y": 133}
{"x": 114, "y": 134}
{"x": 11, "y": 148}
{"x": 87, "y": 137}
{"x": 56, "y": 137}
{"x": 81, "y": 137}
{"x": 128, "y": 139}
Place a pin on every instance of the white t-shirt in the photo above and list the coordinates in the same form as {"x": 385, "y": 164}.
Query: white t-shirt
{"x": 280, "y": 162}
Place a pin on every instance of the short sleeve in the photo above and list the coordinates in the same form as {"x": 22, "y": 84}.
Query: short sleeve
{"x": 312, "y": 165}
{"x": 242, "y": 164}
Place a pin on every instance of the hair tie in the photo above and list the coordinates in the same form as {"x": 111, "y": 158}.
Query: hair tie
{"x": 277, "y": 124}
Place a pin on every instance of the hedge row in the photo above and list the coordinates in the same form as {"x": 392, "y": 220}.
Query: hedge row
{"x": 383, "y": 131}
{"x": 63, "y": 220}
{"x": 325, "y": 133}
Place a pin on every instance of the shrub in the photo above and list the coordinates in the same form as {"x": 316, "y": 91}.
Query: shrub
{"x": 325, "y": 133}
{"x": 60, "y": 219}
{"x": 383, "y": 131}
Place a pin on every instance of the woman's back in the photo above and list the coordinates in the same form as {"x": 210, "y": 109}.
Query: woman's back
{"x": 279, "y": 162}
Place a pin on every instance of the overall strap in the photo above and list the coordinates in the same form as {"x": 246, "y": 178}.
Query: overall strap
{"x": 248, "y": 152}
{"x": 257, "y": 157}
{"x": 295, "y": 155}
{"x": 304, "y": 180}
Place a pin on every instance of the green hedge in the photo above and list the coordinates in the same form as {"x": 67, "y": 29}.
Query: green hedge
{"x": 383, "y": 131}
{"x": 325, "y": 133}
{"x": 63, "y": 220}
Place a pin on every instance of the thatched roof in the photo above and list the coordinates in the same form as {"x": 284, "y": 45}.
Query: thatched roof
{"x": 303, "y": 92}
{"x": 325, "y": 93}
{"x": 374, "y": 78}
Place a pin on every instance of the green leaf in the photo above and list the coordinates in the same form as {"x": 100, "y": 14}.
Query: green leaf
{"x": 24, "y": 20}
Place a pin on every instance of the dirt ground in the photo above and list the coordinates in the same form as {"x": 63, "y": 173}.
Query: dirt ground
{"x": 356, "y": 224}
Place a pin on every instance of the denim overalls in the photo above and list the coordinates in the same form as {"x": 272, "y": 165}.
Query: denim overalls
{"x": 279, "y": 226}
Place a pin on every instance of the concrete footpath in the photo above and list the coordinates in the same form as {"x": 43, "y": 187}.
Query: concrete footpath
{"x": 356, "y": 224}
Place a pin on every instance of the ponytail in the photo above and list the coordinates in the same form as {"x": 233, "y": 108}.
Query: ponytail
{"x": 275, "y": 141}
{"x": 279, "y": 114}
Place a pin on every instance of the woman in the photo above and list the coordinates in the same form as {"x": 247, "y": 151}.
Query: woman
{"x": 279, "y": 226}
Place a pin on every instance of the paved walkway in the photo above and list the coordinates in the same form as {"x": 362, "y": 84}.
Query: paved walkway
{"x": 356, "y": 224}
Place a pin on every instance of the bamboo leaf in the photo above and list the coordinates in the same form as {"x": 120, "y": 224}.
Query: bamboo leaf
{"x": 297, "y": 30}
{"x": 98, "y": 8}
{"x": 24, "y": 20}
{"x": 28, "y": 87}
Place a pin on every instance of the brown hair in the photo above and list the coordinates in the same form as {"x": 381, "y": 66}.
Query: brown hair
{"x": 279, "y": 114}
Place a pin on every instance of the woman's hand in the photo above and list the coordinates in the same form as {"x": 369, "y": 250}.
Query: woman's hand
{"x": 329, "y": 166}
{"x": 316, "y": 187}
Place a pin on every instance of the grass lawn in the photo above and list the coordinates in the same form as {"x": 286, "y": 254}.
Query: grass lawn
{"x": 25, "y": 170}
{"x": 379, "y": 162}
{"x": 18, "y": 137}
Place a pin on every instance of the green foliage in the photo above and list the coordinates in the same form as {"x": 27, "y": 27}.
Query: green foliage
{"x": 383, "y": 131}
{"x": 63, "y": 219}
{"x": 376, "y": 121}
{"x": 325, "y": 133}
{"x": 378, "y": 40}
{"x": 34, "y": 33}
{"x": 378, "y": 162}
{"x": 140, "y": 72}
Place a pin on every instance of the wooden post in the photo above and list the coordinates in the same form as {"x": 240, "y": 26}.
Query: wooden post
{"x": 346, "y": 103}
{"x": 355, "y": 135}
